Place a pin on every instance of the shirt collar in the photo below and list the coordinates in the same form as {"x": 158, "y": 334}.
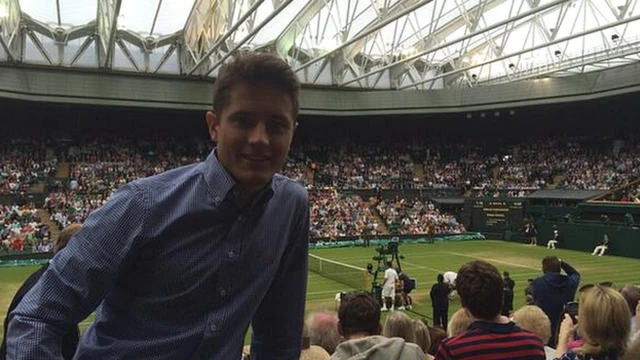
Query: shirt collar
{"x": 493, "y": 327}
{"x": 221, "y": 184}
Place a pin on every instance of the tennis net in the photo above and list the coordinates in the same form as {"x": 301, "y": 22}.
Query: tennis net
{"x": 352, "y": 276}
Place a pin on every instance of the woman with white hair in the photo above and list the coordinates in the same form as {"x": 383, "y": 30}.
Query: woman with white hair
{"x": 533, "y": 319}
{"x": 603, "y": 324}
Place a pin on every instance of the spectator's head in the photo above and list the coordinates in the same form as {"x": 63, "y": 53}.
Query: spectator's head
{"x": 437, "y": 334}
{"x": 65, "y": 235}
{"x": 633, "y": 351}
{"x": 631, "y": 294}
{"x": 423, "y": 338}
{"x": 309, "y": 351}
{"x": 551, "y": 264}
{"x": 389, "y": 264}
{"x": 398, "y": 324}
{"x": 603, "y": 321}
{"x": 323, "y": 330}
{"x": 506, "y": 274}
{"x": 481, "y": 289}
{"x": 359, "y": 315}
{"x": 532, "y": 318}
{"x": 459, "y": 323}
{"x": 254, "y": 115}
{"x": 440, "y": 278}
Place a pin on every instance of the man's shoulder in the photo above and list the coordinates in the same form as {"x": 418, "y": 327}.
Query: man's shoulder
{"x": 170, "y": 178}
{"x": 290, "y": 186}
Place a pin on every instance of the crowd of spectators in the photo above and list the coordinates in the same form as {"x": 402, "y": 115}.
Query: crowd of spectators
{"x": 22, "y": 164}
{"x": 333, "y": 216}
{"x": 70, "y": 207}
{"x": 98, "y": 166}
{"x": 545, "y": 328}
{"x": 357, "y": 166}
{"x": 21, "y": 229}
{"x": 412, "y": 217}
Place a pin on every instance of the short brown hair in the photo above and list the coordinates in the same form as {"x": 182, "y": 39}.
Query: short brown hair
{"x": 255, "y": 68}
{"x": 64, "y": 237}
{"x": 481, "y": 289}
{"x": 551, "y": 264}
{"x": 359, "y": 312}
{"x": 631, "y": 294}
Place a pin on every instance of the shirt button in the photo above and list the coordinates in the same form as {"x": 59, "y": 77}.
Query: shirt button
{"x": 213, "y": 327}
{"x": 241, "y": 218}
{"x": 223, "y": 292}
{"x": 217, "y": 198}
{"x": 231, "y": 254}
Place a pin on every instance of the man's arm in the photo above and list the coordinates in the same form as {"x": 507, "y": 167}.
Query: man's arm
{"x": 277, "y": 325}
{"x": 78, "y": 278}
{"x": 573, "y": 274}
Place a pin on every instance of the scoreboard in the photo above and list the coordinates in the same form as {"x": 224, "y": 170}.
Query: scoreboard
{"x": 489, "y": 214}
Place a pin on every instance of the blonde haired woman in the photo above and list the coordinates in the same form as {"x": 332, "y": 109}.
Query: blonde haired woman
{"x": 399, "y": 325}
{"x": 603, "y": 323}
{"x": 532, "y": 318}
{"x": 423, "y": 338}
{"x": 459, "y": 323}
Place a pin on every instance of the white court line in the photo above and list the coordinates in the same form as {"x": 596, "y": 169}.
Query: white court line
{"x": 422, "y": 267}
{"x": 323, "y": 292}
{"x": 493, "y": 260}
{"x": 432, "y": 254}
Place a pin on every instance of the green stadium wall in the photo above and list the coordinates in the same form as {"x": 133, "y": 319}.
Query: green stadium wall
{"x": 625, "y": 240}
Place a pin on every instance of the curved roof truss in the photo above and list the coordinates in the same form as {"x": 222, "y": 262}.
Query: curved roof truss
{"x": 385, "y": 44}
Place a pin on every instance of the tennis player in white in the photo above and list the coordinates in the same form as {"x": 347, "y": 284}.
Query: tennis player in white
{"x": 389, "y": 287}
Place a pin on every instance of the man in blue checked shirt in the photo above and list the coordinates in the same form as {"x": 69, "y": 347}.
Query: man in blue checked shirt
{"x": 178, "y": 265}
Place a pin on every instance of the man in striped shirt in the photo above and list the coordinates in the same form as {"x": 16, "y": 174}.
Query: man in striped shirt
{"x": 491, "y": 336}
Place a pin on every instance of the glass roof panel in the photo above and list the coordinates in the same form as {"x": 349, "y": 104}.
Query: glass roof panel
{"x": 77, "y": 12}
{"x": 273, "y": 29}
{"x": 137, "y": 15}
{"x": 172, "y": 16}
{"x": 41, "y": 10}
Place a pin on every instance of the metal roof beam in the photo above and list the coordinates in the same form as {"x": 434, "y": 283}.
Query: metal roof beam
{"x": 224, "y": 37}
{"x": 567, "y": 64}
{"x": 386, "y": 20}
{"x": 463, "y": 38}
{"x": 108, "y": 12}
{"x": 287, "y": 38}
{"x": 9, "y": 31}
{"x": 397, "y": 8}
{"x": 249, "y": 36}
{"x": 566, "y": 38}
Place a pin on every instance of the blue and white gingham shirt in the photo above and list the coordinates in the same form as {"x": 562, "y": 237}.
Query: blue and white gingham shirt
{"x": 176, "y": 270}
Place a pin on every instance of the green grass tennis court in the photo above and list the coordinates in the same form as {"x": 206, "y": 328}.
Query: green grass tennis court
{"x": 424, "y": 262}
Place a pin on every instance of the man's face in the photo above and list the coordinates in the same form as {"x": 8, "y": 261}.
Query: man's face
{"x": 253, "y": 133}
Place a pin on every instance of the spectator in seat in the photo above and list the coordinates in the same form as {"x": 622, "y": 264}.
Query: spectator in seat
{"x": 532, "y": 318}
{"x": 491, "y": 335}
{"x": 70, "y": 338}
{"x": 423, "y": 337}
{"x": 359, "y": 324}
{"x": 323, "y": 330}
{"x": 553, "y": 290}
{"x": 603, "y": 324}
{"x": 631, "y": 294}
{"x": 399, "y": 325}
{"x": 459, "y": 323}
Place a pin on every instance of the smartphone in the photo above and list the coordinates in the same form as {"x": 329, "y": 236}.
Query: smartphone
{"x": 572, "y": 309}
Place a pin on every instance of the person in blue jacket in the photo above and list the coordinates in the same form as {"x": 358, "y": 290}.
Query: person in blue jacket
{"x": 553, "y": 290}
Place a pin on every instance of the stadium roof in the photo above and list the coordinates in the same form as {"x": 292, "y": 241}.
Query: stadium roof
{"x": 384, "y": 44}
